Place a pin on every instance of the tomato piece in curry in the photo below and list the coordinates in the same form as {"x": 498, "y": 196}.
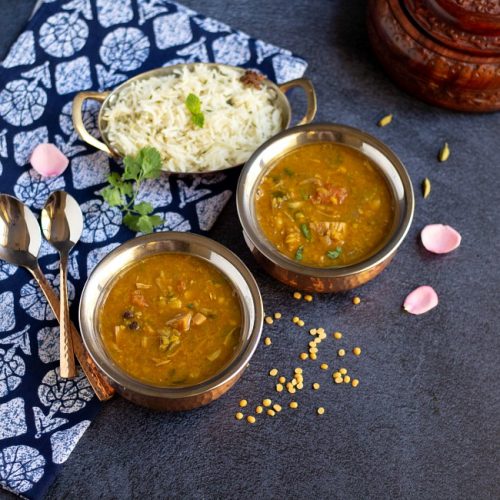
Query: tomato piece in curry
{"x": 325, "y": 205}
{"x": 171, "y": 320}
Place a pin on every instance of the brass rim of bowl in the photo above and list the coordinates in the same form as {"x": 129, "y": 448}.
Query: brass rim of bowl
{"x": 381, "y": 155}
{"x": 281, "y": 99}
{"x": 216, "y": 254}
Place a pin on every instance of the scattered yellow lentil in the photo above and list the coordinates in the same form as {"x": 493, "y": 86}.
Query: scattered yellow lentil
{"x": 303, "y": 355}
{"x": 277, "y": 407}
{"x": 308, "y": 298}
{"x": 277, "y": 315}
{"x": 294, "y": 405}
{"x": 313, "y": 356}
{"x": 243, "y": 403}
{"x": 337, "y": 335}
{"x": 312, "y": 343}
{"x": 300, "y": 322}
{"x": 324, "y": 366}
{"x": 267, "y": 402}
{"x": 282, "y": 380}
{"x": 279, "y": 387}
{"x": 356, "y": 301}
{"x": 341, "y": 352}
{"x": 347, "y": 379}
{"x": 292, "y": 390}
{"x": 313, "y": 331}
{"x": 269, "y": 320}
{"x": 356, "y": 351}
{"x": 268, "y": 341}
{"x": 336, "y": 375}
{"x": 295, "y": 319}
{"x": 239, "y": 416}
{"x": 322, "y": 336}
{"x": 338, "y": 380}
{"x": 273, "y": 372}
{"x": 316, "y": 386}
{"x": 320, "y": 410}
{"x": 298, "y": 370}
{"x": 294, "y": 382}
{"x": 313, "y": 350}
{"x": 343, "y": 371}
{"x": 251, "y": 419}
{"x": 355, "y": 382}
{"x": 259, "y": 409}
{"x": 300, "y": 386}
{"x": 297, "y": 295}
{"x": 271, "y": 413}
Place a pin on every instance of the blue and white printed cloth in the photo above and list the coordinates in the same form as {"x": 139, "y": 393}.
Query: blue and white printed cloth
{"x": 68, "y": 46}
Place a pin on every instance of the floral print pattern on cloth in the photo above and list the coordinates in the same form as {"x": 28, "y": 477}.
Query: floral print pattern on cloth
{"x": 68, "y": 46}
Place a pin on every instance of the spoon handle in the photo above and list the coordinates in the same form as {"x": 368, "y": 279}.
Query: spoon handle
{"x": 102, "y": 388}
{"x": 67, "y": 357}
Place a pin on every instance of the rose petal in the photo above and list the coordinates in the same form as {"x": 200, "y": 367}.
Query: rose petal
{"x": 421, "y": 300}
{"x": 438, "y": 238}
{"x": 48, "y": 160}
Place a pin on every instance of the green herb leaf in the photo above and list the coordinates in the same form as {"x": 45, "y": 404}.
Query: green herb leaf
{"x": 288, "y": 172}
{"x": 132, "y": 168}
{"x": 151, "y": 163}
{"x": 305, "y": 231}
{"x": 127, "y": 189}
{"x": 144, "y": 224}
{"x": 143, "y": 208}
{"x": 299, "y": 253}
{"x": 115, "y": 179}
{"x": 130, "y": 221}
{"x": 334, "y": 254}
{"x": 112, "y": 196}
{"x": 278, "y": 194}
{"x": 193, "y": 104}
{"x": 156, "y": 220}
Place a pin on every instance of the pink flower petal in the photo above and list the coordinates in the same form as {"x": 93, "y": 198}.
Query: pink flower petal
{"x": 48, "y": 160}
{"x": 421, "y": 300}
{"x": 438, "y": 238}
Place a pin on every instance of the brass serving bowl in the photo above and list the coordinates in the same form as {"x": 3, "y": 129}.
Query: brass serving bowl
{"x": 108, "y": 98}
{"x": 102, "y": 279}
{"x": 320, "y": 279}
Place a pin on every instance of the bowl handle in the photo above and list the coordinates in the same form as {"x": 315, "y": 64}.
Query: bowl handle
{"x": 78, "y": 120}
{"x": 306, "y": 85}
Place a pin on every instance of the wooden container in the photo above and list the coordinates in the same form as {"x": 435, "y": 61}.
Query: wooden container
{"x": 446, "y": 52}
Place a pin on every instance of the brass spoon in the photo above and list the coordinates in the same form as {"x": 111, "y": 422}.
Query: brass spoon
{"x": 62, "y": 226}
{"x": 20, "y": 240}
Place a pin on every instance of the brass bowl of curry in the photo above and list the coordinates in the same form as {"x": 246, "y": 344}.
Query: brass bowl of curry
{"x": 324, "y": 207}
{"x": 171, "y": 319}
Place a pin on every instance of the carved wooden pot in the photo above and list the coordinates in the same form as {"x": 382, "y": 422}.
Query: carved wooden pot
{"x": 446, "y": 52}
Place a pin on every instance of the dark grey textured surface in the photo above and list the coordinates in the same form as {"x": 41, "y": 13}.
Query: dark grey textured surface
{"x": 424, "y": 421}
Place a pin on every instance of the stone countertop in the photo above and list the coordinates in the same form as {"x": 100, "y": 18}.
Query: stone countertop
{"x": 423, "y": 422}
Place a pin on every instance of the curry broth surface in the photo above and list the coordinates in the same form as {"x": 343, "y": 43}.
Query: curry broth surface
{"x": 325, "y": 205}
{"x": 171, "y": 320}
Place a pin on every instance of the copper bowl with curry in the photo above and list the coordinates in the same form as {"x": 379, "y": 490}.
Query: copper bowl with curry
{"x": 324, "y": 207}
{"x": 171, "y": 319}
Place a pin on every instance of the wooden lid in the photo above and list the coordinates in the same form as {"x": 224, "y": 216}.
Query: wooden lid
{"x": 471, "y": 26}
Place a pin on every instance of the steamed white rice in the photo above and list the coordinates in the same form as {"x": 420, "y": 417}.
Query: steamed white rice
{"x": 152, "y": 112}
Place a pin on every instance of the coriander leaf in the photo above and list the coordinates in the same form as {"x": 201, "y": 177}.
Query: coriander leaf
{"x": 299, "y": 253}
{"x": 144, "y": 224}
{"x": 112, "y": 196}
{"x": 334, "y": 254}
{"x": 143, "y": 208}
{"x": 151, "y": 163}
{"x": 131, "y": 221}
{"x": 198, "y": 119}
{"x": 156, "y": 220}
{"x": 288, "y": 171}
{"x": 132, "y": 167}
{"x": 115, "y": 179}
{"x": 305, "y": 231}
{"x": 127, "y": 189}
{"x": 193, "y": 104}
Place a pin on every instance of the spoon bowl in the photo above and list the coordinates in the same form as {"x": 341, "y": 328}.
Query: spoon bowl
{"x": 20, "y": 236}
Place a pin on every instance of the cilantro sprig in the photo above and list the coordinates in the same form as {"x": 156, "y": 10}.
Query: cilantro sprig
{"x": 123, "y": 189}
{"x": 193, "y": 104}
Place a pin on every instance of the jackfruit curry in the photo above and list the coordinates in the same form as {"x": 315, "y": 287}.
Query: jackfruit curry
{"x": 325, "y": 205}
{"x": 171, "y": 320}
